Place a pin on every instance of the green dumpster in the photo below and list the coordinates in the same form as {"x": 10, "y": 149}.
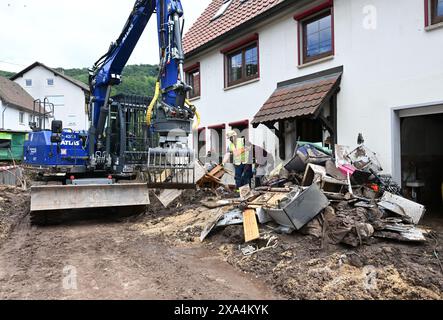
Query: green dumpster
{"x": 11, "y": 145}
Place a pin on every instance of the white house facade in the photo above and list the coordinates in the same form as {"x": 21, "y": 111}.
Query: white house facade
{"x": 68, "y": 95}
{"x": 382, "y": 62}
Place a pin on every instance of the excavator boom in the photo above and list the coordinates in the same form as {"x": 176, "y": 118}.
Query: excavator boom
{"x": 127, "y": 136}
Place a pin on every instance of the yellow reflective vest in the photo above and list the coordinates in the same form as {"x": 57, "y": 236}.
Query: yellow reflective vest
{"x": 239, "y": 152}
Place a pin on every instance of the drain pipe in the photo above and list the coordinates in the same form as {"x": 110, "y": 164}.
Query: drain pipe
{"x": 3, "y": 115}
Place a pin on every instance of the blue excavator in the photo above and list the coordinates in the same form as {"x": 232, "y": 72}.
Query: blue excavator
{"x": 133, "y": 143}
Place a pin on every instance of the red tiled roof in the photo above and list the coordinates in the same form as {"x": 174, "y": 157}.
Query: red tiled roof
{"x": 297, "y": 100}
{"x": 240, "y": 11}
{"x": 12, "y": 93}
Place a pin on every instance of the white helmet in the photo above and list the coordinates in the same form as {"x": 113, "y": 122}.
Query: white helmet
{"x": 231, "y": 133}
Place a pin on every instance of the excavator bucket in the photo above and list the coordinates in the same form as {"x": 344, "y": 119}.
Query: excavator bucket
{"x": 49, "y": 199}
{"x": 171, "y": 168}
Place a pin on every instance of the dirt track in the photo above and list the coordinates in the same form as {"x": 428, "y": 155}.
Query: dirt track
{"x": 114, "y": 261}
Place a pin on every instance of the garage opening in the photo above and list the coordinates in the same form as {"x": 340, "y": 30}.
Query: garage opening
{"x": 422, "y": 160}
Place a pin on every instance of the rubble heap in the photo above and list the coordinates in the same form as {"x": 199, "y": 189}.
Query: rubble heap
{"x": 340, "y": 198}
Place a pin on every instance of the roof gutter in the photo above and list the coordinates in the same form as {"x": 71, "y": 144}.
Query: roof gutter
{"x": 265, "y": 15}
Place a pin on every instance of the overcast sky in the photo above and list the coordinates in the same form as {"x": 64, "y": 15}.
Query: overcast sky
{"x": 73, "y": 33}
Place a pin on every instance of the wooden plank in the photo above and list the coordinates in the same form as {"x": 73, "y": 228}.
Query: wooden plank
{"x": 168, "y": 196}
{"x": 218, "y": 215}
{"x": 250, "y": 226}
{"x": 214, "y": 171}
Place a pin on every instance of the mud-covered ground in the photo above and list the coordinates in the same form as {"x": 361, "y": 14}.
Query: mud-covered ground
{"x": 158, "y": 255}
{"x": 110, "y": 258}
{"x": 14, "y": 206}
{"x": 304, "y": 267}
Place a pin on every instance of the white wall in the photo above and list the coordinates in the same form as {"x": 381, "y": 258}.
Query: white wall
{"x": 72, "y": 113}
{"x": 398, "y": 63}
{"x": 10, "y": 117}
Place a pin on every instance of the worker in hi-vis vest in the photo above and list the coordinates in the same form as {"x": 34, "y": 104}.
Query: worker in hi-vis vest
{"x": 240, "y": 157}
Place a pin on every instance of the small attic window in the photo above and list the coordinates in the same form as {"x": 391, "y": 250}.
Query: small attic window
{"x": 222, "y": 9}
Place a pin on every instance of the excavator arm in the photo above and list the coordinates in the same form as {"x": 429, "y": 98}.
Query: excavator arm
{"x": 168, "y": 115}
{"x": 126, "y": 134}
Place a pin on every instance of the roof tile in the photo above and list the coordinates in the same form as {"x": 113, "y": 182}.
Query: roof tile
{"x": 296, "y": 100}
{"x": 12, "y": 93}
{"x": 206, "y": 28}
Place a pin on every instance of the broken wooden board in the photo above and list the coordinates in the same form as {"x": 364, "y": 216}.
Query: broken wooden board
{"x": 250, "y": 226}
{"x": 263, "y": 199}
{"x": 268, "y": 200}
{"x": 168, "y": 196}
{"x": 216, "y": 204}
{"x": 218, "y": 215}
{"x": 275, "y": 199}
{"x": 217, "y": 172}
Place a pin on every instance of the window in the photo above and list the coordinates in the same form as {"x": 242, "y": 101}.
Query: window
{"x": 28, "y": 82}
{"x": 193, "y": 79}
{"x": 242, "y": 64}
{"x": 222, "y": 9}
{"x": 436, "y": 11}
{"x": 5, "y": 143}
{"x": 317, "y": 37}
{"x": 21, "y": 118}
{"x": 50, "y": 82}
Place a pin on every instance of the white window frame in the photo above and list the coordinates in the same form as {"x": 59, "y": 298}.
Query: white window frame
{"x": 26, "y": 83}
{"x": 47, "y": 82}
{"x": 21, "y": 117}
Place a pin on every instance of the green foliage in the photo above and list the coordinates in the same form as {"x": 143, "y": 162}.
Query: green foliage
{"x": 6, "y": 74}
{"x": 136, "y": 79}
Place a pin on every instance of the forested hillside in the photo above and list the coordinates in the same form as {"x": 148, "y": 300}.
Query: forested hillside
{"x": 6, "y": 74}
{"x": 137, "y": 79}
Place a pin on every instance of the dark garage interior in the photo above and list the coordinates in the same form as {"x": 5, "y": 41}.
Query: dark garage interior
{"x": 422, "y": 160}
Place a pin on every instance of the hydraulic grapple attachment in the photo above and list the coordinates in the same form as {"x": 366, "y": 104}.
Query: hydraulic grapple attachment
{"x": 171, "y": 168}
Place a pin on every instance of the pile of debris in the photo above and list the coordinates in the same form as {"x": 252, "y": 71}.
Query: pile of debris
{"x": 339, "y": 199}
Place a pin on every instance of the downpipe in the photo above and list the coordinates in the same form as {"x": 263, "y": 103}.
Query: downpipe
{"x": 3, "y": 116}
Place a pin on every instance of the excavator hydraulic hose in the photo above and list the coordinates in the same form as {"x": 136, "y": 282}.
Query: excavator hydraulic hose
{"x": 197, "y": 114}
{"x": 152, "y": 104}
